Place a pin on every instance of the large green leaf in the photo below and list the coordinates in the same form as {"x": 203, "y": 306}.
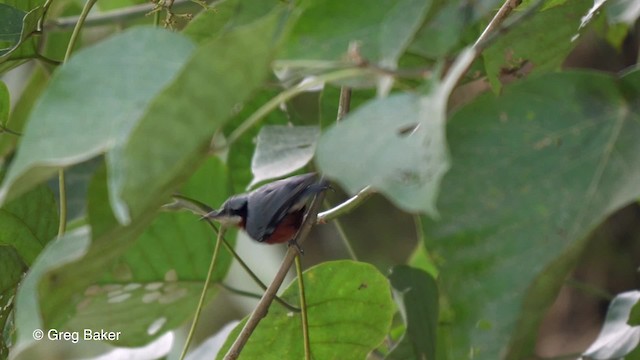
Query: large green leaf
{"x": 530, "y": 47}
{"x": 141, "y": 280}
{"x": 18, "y": 117}
{"x": 383, "y": 31}
{"x": 535, "y": 170}
{"x": 396, "y": 145}
{"x": 28, "y": 223}
{"x": 176, "y": 130}
{"x": 60, "y": 251}
{"x": 154, "y": 286}
{"x": 349, "y": 308}
{"x": 93, "y": 101}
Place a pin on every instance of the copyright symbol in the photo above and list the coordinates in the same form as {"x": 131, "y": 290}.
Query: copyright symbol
{"x": 38, "y": 334}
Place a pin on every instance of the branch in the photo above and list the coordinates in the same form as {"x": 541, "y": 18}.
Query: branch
{"x": 500, "y": 16}
{"x": 346, "y": 206}
{"x": 490, "y": 34}
{"x": 261, "y": 309}
{"x": 203, "y": 294}
{"x": 109, "y": 17}
{"x": 284, "y": 96}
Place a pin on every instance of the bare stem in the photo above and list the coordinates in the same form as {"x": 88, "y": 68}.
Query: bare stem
{"x": 263, "y": 305}
{"x": 303, "y": 306}
{"x": 500, "y": 16}
{"x": 203, "y": 294}
{"x": 286, "y": 95}
{"x": 346, "y": 206}
{"x": 62, "y": 189}
{"x": 110, "y": 17}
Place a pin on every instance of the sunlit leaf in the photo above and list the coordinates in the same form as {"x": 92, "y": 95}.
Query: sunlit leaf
{"x": 349, "y": 308}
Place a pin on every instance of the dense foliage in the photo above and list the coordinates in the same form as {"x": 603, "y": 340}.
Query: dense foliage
{"x": 503, "y": 156}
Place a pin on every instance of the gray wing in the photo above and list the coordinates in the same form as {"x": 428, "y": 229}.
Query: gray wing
{"x": 270, "y": 203}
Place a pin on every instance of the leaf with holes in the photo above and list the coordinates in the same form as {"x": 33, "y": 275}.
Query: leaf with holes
{"x": 531, "y": 48}
{"x": 282, "y": 150}
{"x": 536, "y": 169}
{"x": 397, "y": 145}
{"x": 349, "y": 310}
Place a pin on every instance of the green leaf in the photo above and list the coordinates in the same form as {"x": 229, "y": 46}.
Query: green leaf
{"x": 383, "y": 31}
{"x": 416, "y": 294}
{"x": 241, "y": 152}
{"x": 145, "y": 287}
{"x": 536, "y": 170}
{"x": 4, "y": 105}
{"x": 28, "y": 223}
{"x": 349, "y": 310}
{"x": 634, "y": 315}
{"x": 12, "y": 268}
{"x": 10, "y": 28}
{"x": 616, "y": 339}
{"x": 531, "y": 47}
{"x": 176, "y": 130}
{"x": 396, "y": 145}
{"x": 93, "y": 102}
{"x": 16, "y": 31}
{"x": 60, "y": 251}
{"x": 442, "y": 32}
{"x": 33, "y": 88}
{"x": 420, "y": 259}
{"x": 281, "y": 150}
{"x": 225, "y": 16}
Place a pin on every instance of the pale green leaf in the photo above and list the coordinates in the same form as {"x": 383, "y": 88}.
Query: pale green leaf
{"x": 281, "y": 150}
{"x": 93, "y": 102}
{"x": 349, "y": 309}
{"x": 396, "y": 145}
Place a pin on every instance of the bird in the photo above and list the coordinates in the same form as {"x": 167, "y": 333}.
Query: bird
{"x": 272, "y": 213}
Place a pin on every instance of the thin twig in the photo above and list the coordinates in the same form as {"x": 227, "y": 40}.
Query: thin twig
{"x": 303, "y": 306}
{"x": 345, "y": 239}
{"x": 344, "y": 104}
{"x": 253, "y": 275}
{"x": 250, "y": 294}
{"x": 346, "y": 206}
{"x": 62, "y": 189}
{"x": 263, "y": 305}
{"x": 109, "y": 17}
{"x": 203, "y": 294}
{"x": 500, "y": 16}
{"x": 286, "y": 95}
{"x": 495, "y": 27}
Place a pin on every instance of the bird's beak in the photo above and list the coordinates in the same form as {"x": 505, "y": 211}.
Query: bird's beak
{"x": 215, "y": 214}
